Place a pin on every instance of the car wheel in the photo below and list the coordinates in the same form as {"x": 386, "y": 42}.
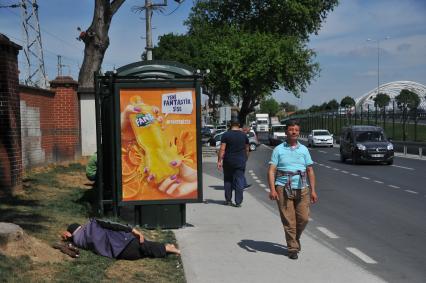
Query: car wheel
{"x": 342, "y": 158}
{"x": 309, "y": 144}
{"x": 252, "y": 147}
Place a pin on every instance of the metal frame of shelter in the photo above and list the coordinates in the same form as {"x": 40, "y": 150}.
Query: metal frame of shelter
{"x": 138, "y": 75}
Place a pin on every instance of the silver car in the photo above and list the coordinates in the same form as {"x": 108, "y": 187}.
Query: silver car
{"x": 253, "y": 142}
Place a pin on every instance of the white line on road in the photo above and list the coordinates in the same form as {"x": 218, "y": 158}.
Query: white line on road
{"x": 322, "y": 151}
{"x": 328, "y": 233}
{"x": 336, "y": 154}
{"x": 327, "y": 166}
{"x": 353, "y": 174}
{"x": 267, "y": 190}
{"x": 379, "y": 182}
{"x": 254, "y": 177}
{"x": 259, "y": 181}
{"x": 262, "y": 185}
{"x": 336, "y": 169}
{"x": 392, "y": 186}
{"x": 310, "y": 219}
{"x": 250, "y": 171}
{"x": 346, "y": 172}
{"x": 403, "y": 167}
{"x": 366, "y": 178}
{"x": 361, "y": 255}
{"x": 411, "y": 192}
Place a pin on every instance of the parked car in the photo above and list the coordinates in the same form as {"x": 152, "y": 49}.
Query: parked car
{"x": 253, "y": 142}
{"x": 365, "y": 143}
{"x": 320, "y": 138}
{"x": 205, "y": 134}
{"x": 277, "y": 134}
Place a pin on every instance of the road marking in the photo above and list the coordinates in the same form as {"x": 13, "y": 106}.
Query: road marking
{"x": 322, "y": 151}
{"x": 346, "y": 172}
{"x": 336, "y": 154}
{"x": 336, "y": 169}
{"x": 379, "y": 182}
{"x": 250, "y": 171}
{"x": 361, "y": 255}
{"x": 327, "y": 166}
{"x": 403, "y": 167}
{"x": 353, "y": 174}
{"x": 366, "y": 178}
{"x": 255, "y": 177}
{"x": 328, "y": 233}
{"x": 310, "y": 219}
{"x": 262, "y": 185}
{"x": 411, "y": 192}
{"x": 267, "y": 190}
{"x": 392, "y": 186}
{"x": 259, "y": 181}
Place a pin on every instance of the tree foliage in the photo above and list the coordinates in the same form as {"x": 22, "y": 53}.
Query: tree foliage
{"x": 252, "y": 48}
{"x": 332, "y": 105}
{"x": 381, "y": 100}
{"x": 288, "y": 107}
{"x": 347, "y": 102}
{"x": 270, "y": 106}
{"x": 407, "y": 100}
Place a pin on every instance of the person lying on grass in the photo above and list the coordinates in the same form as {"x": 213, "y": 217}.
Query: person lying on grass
{"x": 115, "y": 240}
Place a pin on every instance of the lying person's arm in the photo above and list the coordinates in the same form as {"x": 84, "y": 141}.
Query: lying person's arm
{"x": 121, "y": 227}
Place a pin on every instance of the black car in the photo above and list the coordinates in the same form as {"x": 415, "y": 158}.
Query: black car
{"x": 205, "y": 134}
{"x": 365, "y": 144}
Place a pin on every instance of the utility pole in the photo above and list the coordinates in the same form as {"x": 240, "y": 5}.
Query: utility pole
{"x": 149, "y": 7}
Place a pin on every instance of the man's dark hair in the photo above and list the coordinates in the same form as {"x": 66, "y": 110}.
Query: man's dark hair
{"x": 72, "y": 227}
{"x": 235, "y": 122}
{"x": 290, "y": 123}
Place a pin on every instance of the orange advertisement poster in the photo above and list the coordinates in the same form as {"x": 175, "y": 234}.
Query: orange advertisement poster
{"x": 158, "y": 144}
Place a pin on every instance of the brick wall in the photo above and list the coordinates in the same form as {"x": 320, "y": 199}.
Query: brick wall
{"x": 10, "y": 130}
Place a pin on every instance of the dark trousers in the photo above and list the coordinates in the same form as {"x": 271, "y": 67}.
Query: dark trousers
{"x": 234, "y": 180}
{"x": 136, "y": 250}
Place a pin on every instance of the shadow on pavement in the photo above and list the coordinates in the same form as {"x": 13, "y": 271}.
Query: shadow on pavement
{"x": 219, "y": 188}
{"x": 262, "y": 246}
{"x": 214, "y": 201}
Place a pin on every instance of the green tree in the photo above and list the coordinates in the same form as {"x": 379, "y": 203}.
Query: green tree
{"x": 270, "y": 106}
{"x": 381, "y": 101}
{"x": 333, "y": 105}
{"x": 288, "y": 107}
{"x": 253, "y": 48}
{"x": 406, "y": 100}
{"x": 347, "y": 102}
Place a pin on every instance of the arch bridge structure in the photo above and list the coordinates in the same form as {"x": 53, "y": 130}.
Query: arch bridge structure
{"x": 392, "y": 89}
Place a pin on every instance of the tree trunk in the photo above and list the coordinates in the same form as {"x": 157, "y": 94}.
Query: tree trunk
{"x": 96, "y": 41}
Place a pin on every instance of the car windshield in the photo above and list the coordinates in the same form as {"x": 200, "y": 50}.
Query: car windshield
{"x": 278, "y": 129}
{"x": 321, "y": 133}
{"x": 370, "y": 136}
{"x": 218, "y": 137}
{"x": 261, "y": 122}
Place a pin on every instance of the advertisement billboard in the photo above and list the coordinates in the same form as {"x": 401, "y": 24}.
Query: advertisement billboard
{"x": 159, "y": 159}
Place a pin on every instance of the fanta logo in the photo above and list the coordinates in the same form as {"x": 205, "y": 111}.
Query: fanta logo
{"x": 143, "y": 120}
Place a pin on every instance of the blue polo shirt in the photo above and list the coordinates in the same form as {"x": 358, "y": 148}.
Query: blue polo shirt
{"x": 286, "y": 158}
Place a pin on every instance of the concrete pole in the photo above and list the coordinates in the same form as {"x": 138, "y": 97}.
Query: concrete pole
{"x": 148, "y": 16}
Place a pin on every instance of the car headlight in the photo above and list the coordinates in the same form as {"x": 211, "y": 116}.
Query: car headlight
{"x": 390, "y": 147}
{"x": 361, "y": 146}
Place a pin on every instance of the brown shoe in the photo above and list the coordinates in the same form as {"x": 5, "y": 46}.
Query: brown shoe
{"x": 293, "y": 255}
{"x": 67, "y": 248}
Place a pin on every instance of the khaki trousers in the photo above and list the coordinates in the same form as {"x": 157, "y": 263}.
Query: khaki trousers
{"x": 294, "y": 216}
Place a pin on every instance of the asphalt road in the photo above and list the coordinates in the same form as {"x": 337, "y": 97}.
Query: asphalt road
{"x": 374, "y": 215}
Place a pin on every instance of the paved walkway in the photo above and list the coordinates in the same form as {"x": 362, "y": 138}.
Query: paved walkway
{"x": 228, "y": 244}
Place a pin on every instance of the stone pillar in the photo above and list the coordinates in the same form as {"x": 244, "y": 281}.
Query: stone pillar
{"x": 66, "y": 116}
{"x": 10, "y": 121}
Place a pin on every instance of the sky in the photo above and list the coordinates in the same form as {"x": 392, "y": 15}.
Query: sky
{"x": 347, "y": 60}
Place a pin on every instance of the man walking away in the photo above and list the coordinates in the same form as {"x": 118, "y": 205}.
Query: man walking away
{"x": 232, "y": 157}
{"x": 289, "y": 169}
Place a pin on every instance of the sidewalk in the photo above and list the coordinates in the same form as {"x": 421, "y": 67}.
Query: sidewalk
{"x": 228, "y": 244}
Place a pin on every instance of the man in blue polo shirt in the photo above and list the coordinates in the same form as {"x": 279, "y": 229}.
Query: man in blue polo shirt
{"x": 289, "y": 170}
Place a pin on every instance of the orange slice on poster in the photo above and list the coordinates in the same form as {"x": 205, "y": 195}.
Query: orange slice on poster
{"x": 134, "y": 157}
{"x": 127, "y": 169}
{"x": 131, "y": 189}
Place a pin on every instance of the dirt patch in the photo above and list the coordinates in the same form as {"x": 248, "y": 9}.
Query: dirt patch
{"x": 75, "y": 180}
{"x": 35, "y": 249}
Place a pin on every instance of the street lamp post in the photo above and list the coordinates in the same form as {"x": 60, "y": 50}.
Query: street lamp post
{"x": 378, "y": 59}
